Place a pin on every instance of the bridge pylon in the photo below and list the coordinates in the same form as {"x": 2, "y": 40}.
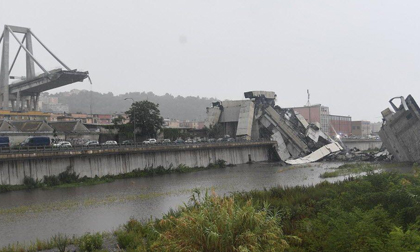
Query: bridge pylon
{"x": 24, "y": 95}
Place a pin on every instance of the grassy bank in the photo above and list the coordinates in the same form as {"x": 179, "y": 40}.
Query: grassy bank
{"x": 69, "y": 178}
{"x": 377, "y": 212}
{"x": 348, "y": 169}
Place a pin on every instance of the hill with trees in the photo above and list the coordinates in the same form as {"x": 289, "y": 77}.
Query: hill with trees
{"x": 176, "y": 107}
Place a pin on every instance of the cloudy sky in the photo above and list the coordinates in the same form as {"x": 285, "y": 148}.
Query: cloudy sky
{"x": 353, "y": 56}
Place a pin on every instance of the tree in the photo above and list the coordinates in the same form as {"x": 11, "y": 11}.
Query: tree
{"x": 148, "y": 119}
{"x": 118, "y": 120}
{"x": 214, "y": 131}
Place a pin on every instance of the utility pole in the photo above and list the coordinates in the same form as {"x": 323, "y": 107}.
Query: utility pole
{"x": 134, "y": 119}
{"x": 309, "y": 105}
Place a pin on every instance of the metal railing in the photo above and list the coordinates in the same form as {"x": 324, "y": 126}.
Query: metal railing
{"x": 46, "y": 149}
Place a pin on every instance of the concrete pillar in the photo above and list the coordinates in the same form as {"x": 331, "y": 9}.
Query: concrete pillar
{"x": 30, "y": 67}
{"x": 4, "y": 71}
{"x": 30, "y": 102}
{"x": 36, "y": 99}
{"x": 18, "y": 102}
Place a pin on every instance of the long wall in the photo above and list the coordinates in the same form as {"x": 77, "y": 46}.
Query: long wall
{"x": 362, "y": 144}
{"x": 91, "y": 163}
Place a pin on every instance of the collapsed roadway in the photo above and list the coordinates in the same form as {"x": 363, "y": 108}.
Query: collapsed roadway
{"x": 298, "y": 141}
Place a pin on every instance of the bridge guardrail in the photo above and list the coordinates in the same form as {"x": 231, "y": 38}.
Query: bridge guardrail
{"x": 42, "y": 149}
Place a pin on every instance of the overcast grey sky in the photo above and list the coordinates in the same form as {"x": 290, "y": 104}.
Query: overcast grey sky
{"x": 353, "y": 56}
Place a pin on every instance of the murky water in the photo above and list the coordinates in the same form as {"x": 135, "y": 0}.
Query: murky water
{"x": 39, "y": 214}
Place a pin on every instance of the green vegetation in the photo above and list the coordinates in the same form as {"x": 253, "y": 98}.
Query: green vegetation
{"x": 210, "y": 223}
{"x": 90, "y": 242}
{"x": 214, "y": 131}
{"x": 348, "y": 169}
{"x": 373, "y": 213}
{"x": 86, "y": 243}
{"x": 147, "y": 118}
{"x": 69, "y": 178}
{"x": 60, "y": 241}
{"x": 37, "y": 246}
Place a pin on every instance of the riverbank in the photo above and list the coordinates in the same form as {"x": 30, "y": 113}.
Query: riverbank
{"x": 376, "y": 212}
{"x": 69, "y": 178}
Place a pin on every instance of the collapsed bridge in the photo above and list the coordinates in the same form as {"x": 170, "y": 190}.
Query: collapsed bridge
{"x": 259, "y": 117}
{"x": 24, "y": 94}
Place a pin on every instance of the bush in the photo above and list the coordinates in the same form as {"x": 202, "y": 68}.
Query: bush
{"x": 220, "y": 224}
{"x": 126, "y": 240}
{"x": 221, "y": 163}
{"x": 51, "y": 180}
{"x": 182, "y": 168}
{"x": 30, "y": 182}
{"x": 135, "y": 236}
{"x": 90, "y": 242}
{"x": 60, "y": 241}
{"x": 68, "y": 176}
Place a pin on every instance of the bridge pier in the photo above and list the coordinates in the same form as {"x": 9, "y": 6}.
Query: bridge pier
{"x": 36, "y": 99}
{"x": 28, "y": 104}
{"x": 4, "y": 72}
{"x": 18, "y": 102}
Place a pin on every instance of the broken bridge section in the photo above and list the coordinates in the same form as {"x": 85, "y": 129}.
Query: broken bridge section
{"x": 400, "y": 131}
{"x": 23, "y": 95}
{"x": 297, "y": 140}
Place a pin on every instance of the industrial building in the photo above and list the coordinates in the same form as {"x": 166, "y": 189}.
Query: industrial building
{"x": 332, "y": 125}
{"x": 361, "y": 128}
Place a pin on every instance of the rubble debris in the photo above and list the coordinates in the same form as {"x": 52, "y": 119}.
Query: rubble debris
{"x": 297, "y": 140}
{"x": 355, "y": 155}
{"x": 400, "y": 131}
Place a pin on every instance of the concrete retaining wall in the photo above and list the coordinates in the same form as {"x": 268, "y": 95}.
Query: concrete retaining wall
{"x": 14, "y": 168}
{"x": 362, "y": 144}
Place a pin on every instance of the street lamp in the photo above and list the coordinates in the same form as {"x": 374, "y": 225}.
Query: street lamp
{"x": 134, "y": 118}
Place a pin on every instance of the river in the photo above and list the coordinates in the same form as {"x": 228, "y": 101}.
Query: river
{"x": 41, "y": 213}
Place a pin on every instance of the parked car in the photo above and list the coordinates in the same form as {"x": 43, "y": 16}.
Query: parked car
{"x": 110, "y": 142}
{"x": 4, "y": 141}
{"x": 230, "y": 139}
{"x": 166, "y": 141}
{"x": 149, "y": 141}
{"x": 220, "y": 140}
{"x": 179, "y": 141}
{"x": 36, "y": 141}
{"x": 189, "y": 140}
{"x": 127, "y": 142}
{"x": 63, "y": 144}
{"x": 92, "y": 143}
{"x": 211, "y": 140}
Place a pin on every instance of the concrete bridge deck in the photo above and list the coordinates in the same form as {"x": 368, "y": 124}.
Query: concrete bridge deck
{"x": 41, "y": 83}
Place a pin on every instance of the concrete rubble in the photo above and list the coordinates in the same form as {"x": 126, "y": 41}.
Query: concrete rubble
{"x": 356, "y": 155}
{"x": 400, "y": 131}
{"x": 298, "y": 141}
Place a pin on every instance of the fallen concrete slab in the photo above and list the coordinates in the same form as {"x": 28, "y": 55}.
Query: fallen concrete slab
{"x": 318, "y": 154}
